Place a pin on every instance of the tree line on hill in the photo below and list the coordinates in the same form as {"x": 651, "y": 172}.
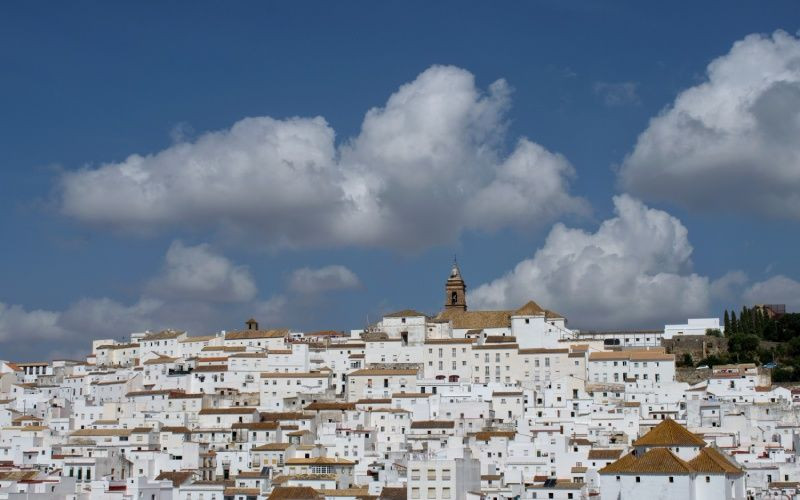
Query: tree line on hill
{"x": 755, "y": 337}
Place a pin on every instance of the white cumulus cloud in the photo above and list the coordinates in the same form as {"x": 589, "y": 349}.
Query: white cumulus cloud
{"x": 426, "y": 166}
{"x": 317, "y": 280}
{"x": 778, "y": 289}
{"x": 731, "y": 142}
{"x": 197, "y": 273}
{"x": 634, "y": 271}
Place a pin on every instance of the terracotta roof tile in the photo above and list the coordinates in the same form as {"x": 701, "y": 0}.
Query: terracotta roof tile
{"x": 604, "y": 454}
{"x": 257, "y": 334}
{"x": 405, "y": 313}
{"x": 655, "y": 461}
{"x": 177, "y": 477}
{"x": 669, "y": 433}
{"x": 294, "y": 493}
{"x": 468, "y": 320}
{"x": 712, "y": 461}
{"x": 433, "y": 424}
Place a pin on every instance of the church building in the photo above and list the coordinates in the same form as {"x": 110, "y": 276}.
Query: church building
{"x": 670, "y": 462}
{"x": 530, "y": 326}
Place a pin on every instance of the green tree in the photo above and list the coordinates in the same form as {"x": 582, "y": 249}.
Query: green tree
{"x": 713, "y": 360}
{"x": 743, "y": 347}
{"x": 745, "y": 321}
{"x": 760, "y": 322}
{"x": 734, "y": 325}
{"x": 727, "y": 322}
{"x": 781, "y": 374}
{"x": 793, "y": 347}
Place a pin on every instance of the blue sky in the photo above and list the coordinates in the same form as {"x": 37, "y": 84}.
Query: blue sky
{"x": 87, "y": 85}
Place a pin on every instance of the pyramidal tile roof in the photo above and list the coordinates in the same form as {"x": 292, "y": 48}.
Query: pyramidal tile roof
{"x": 660, "y": 460}
{"x": 620, "y": 465}
{"x": 529, "y": 309}
{"x": 669, "y": 433}
{"x": 655, "y": 461}
{"x": 712, "y": 461}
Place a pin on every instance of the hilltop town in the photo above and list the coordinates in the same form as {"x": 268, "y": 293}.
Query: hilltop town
{"x": 462, "y": 404}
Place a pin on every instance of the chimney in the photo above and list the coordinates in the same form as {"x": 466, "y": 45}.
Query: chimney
{"x": 252, "y": 324}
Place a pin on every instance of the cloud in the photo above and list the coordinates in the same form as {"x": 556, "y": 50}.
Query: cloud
{"x": 515, "y": 193}
{"x": 408, "y": 180}
{"x": 196, "y": 273}
{"x": 272, "y": 310}
{"x": 100, "y": 318}
{"x": 52, "y": 332}
{"x": 73, "y": 329}
{"x": 196, "y": 290}
{"x": 778, "y": 289}
{"x": 729, "y": 143}
{"x": 18, "y": 323}
{"x": 617, "y": 94}
{"x": 729, "y": 286}
{"x": 634, "y": 271}
{"x": 329, "y": 278}
{"x": 181, "y": 132}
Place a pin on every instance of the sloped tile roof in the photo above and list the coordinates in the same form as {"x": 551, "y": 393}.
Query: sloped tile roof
{"x": 405, "y": 313}
{"x": 604, "y": 454}
{"x": 468, "y": 320}
{"x": 177, "y": 477}
{"x": 669, "y": 433}
{"x": 294, "y": 493}
{"x": 531, "y": 308}
{"x": 433, "y": 424}
{"x": 712, "y": 461}
{"x": 655, "y": 461}
{"x": 257, "y": 334}
{"x": 620, "y": 465}
{"x": 163, "y": 335}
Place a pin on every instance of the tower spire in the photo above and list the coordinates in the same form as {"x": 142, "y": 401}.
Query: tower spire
{"x": 455, "y": 289}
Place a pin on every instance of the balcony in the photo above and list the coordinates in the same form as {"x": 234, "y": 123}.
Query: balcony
{"x": 177, "y": 372}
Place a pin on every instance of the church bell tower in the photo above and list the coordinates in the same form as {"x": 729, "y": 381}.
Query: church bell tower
{"x": 455, "y": 290}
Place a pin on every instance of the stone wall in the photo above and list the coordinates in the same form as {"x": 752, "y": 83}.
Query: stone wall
{"x": 699, "y": 346}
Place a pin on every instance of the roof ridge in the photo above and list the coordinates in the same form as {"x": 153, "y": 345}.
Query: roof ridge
{"x": 669, "y": 433}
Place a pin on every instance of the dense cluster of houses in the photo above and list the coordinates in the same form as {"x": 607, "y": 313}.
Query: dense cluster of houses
{"x": 461, "y": 405}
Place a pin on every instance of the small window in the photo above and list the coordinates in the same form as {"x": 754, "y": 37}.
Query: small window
{"x": 638, "y": 479}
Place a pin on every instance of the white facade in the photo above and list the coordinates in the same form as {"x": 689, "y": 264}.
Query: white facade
{"x": 443, "y": 478}
{"x": 696, "y": 326}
